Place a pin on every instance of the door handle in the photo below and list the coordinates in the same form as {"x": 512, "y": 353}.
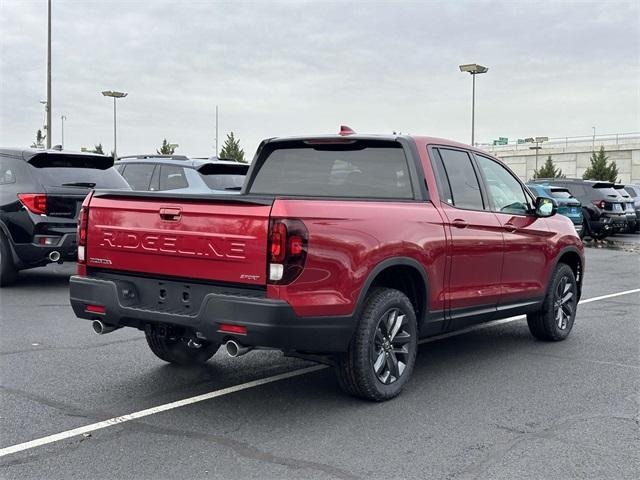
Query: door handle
{"x": 459, "y": 223}
{"x": 510, "y": 227}
{"x": 170, "y": 214}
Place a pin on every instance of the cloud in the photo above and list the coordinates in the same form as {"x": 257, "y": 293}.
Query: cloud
{"x": 306, "y": 67}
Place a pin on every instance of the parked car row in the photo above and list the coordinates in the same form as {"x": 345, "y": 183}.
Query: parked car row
{"x": 41, "y": 192}
{"x": 606, "y": 208}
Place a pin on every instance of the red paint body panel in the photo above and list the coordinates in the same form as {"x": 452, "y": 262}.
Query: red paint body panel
{"x": 348, "y": 239}
{"x": 209, "y": 241}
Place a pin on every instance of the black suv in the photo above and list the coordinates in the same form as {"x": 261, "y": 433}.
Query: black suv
{"x": 41, "y": 192}
{"x": 602, "y": 207}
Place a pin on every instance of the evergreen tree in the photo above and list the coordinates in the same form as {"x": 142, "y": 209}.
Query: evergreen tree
{"x": 98, "y": 149}
{"x": 600, "y": 169}
{"x": 231, "y": 150}
{"x": 548, "y": 170}
{"x": 166, "y": 148}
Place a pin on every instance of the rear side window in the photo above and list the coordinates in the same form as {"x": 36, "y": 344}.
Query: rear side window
{"x": 138, "y": 175}
{"x": 465, "y": 189}
{"x": 172, "y": 178}
{"x": 355, "y": 170}
{"x": 631, "y": 191}
{"x": 8, "y": 170}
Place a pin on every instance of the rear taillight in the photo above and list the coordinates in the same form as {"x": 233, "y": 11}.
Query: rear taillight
{"x": 288, "y": 241}
{"x": 83, "y": 225}
{"x": 35, "y": 202}
{"x": 599, "y": 203}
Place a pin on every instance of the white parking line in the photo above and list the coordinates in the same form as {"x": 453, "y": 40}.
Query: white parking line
{"x": 243, "y": 386}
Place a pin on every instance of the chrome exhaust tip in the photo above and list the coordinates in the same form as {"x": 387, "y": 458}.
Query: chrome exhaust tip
{"x": 234, "y": 349}
{"x": 54, "y": 256}
{"x": 102, "y": 328}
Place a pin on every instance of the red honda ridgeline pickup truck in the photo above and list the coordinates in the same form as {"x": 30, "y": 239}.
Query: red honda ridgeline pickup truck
{"x": 344, "y": 249}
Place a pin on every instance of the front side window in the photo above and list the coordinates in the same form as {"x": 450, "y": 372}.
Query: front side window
{"x": 463, "y": 182}
{"x": 505, "y": 192}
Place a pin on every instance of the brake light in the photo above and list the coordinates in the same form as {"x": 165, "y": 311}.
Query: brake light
{"x": 288, "y": 240}
{"x": 599, "y": 203}
{"x": 83, "y": 226}
{"x": 35, "y": 202}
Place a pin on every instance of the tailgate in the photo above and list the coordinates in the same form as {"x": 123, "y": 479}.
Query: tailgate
{"x": 215, "y": 239}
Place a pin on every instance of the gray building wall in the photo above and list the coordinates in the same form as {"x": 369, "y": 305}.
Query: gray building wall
{"x": 573, "y": 160}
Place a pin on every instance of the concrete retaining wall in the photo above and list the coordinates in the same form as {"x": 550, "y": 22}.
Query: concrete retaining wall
{"x": 575, "y": 160}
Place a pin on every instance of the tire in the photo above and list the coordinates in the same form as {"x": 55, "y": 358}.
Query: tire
{"x": 174, "y": 349}
{"x": 382, "y": 352}
{"x": 8, "y": 270}
{"x": 583, "y": 232}
{"x": 554, "y": 321}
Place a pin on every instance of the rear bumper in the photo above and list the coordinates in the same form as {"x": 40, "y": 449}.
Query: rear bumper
{"x": 35, "y": 255}
{"x": 270, "y": 323}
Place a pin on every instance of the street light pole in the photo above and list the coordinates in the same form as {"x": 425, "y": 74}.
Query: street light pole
{"x": 474, "y": 69}
{"x": 62, "y": 119}
{"x": 49, "y": 77}
{"x": 115, "y": 95}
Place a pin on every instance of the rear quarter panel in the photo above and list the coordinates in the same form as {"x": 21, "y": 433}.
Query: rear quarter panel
{"x": 348, "y": 239}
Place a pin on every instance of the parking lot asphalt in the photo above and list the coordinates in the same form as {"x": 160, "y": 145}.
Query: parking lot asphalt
{"x": 490, "y": 403}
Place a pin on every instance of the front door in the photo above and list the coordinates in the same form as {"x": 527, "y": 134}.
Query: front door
{"x": 525, "y": 235}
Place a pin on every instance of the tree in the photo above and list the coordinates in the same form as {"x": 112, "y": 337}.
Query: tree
{"x": 167, "y": 148}
{"x": 39, "y": 143}
{"x": 231, "y": 149}
{"x": 98, "y": 149}
{"x": 600, "y": 169}
{"x": 548, "y": 170}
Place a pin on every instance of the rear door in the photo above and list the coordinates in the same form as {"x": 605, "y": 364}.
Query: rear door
{"x": 525, "y": 235}
{"x": 209, "y": 239}
{"x": 476, "y": 248}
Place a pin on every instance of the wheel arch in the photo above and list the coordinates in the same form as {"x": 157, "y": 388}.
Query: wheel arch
{"x": 571, "y": 256}
{"x": 402, "y": 273}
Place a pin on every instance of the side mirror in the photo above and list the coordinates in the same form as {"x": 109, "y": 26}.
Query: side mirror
{"x": 545, "y": 207}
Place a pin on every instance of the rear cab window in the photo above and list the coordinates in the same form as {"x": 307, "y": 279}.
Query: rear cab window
{"x": 353, "y": 169}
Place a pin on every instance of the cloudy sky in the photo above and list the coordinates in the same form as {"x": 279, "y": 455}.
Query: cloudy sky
{"x": 283, "y": 68}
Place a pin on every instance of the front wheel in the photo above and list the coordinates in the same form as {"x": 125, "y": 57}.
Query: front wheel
{"x": 173, "y": 348}
{"x": 383, "y": 350}
{"x": 553, "y": 322}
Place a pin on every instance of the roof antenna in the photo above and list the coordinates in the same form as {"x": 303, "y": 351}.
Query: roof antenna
{"x": 344, "y": 130}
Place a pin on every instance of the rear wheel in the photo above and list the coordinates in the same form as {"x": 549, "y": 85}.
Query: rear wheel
{"x": 553, "y": 322}
{"x": 8, "y": 270}
{"x": 383, "y": 350}
{"x": 174, "y": 348}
